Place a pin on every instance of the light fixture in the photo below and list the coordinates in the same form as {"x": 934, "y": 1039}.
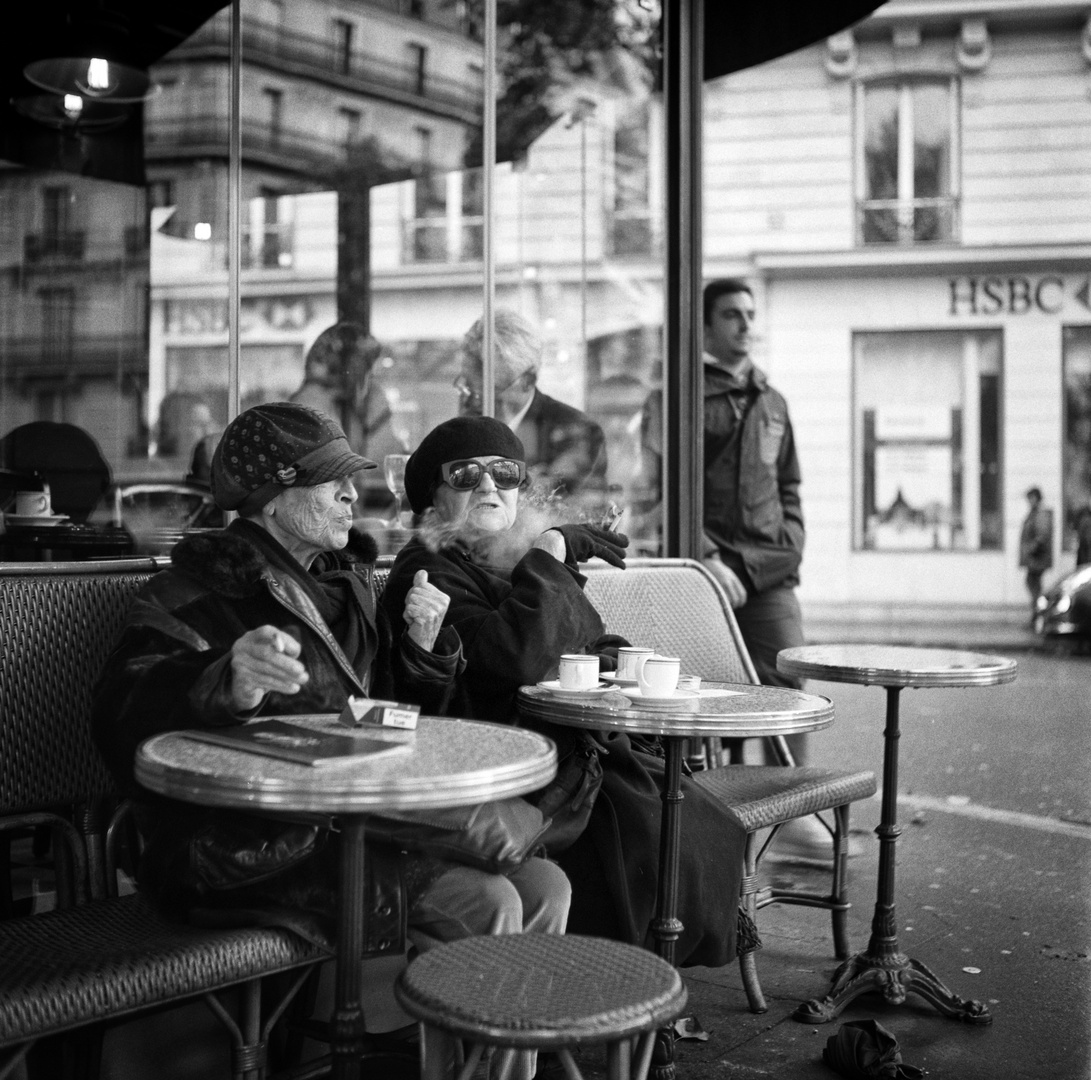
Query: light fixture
{"x": 93, "y": 78}
{"x": 70, "y": 112}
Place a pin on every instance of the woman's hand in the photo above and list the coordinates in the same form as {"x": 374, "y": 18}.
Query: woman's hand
{"x": 263, "y": 660}
{"x": 553, "y": 542}
{"x": 425, "y": 608}
{"x": 585, "y": 542}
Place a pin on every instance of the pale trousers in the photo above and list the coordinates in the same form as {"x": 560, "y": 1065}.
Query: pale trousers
{"x": 465, "y": 902}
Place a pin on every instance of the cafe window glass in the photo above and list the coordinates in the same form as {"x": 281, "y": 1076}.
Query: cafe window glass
{"x": 1076, "y": 490}
{"x": 907, "y": 168}
{"x": 927, "y": 470}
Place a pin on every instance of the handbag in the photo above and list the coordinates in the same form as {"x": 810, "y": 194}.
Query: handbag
{"x": 497, "y": 837}
{"x": 569, "y": 797}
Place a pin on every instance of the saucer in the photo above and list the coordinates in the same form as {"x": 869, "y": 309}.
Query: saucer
{"x": 553, "y": 686}
{"x": 668, "y": 701}
{"x": 614, "y": 677}
{"x": 35, "y": 520}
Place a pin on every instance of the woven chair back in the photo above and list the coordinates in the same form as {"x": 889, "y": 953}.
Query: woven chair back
{"x": 677, "y": 608}
{"x": 58, "y": 622}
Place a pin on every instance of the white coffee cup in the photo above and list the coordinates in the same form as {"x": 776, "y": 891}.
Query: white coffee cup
{"x": 658, "y": 675}
{"x": 579, "y": 671}
{"x": 628, "y": 660}
{"x": 32, "y": 503}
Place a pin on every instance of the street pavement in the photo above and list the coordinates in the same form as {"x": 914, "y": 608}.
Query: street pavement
{"x": 993, "y": 891}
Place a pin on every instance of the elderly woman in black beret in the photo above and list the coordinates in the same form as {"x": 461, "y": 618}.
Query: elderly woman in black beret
{"x": 277, "y": 614}
{"x": 518, "y": 603}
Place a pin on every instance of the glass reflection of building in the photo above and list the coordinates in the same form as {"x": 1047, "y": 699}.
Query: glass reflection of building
{"x": 907, "y": 197}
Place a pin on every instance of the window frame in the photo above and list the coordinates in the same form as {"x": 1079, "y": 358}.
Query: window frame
{"x": 906, "y": 204}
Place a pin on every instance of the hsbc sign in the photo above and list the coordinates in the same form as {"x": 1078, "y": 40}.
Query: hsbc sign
{"x": 1015, "y": 294}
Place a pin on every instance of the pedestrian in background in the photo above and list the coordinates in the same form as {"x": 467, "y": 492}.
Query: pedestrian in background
{"x": 1036, "y": 545}
{"x": 753, "y": 518}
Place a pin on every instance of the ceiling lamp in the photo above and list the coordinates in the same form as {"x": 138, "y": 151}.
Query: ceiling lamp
{"x": 93, "y": 78}
{"x": 71, "y": 112}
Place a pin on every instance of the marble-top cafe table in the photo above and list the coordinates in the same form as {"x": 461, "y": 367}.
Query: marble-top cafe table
{"x": 451, "y": 763}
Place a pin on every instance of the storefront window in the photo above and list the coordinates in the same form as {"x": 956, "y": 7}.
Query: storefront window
{"x": 927, "y": 422}
{"x": 1077, "y": 429}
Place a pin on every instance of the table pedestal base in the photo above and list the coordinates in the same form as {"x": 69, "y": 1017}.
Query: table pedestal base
{"x": 894, "y": 977}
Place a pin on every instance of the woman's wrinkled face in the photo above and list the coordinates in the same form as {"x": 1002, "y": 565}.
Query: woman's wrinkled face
{"x": 486, "y": 508}
{"x": 310, "y": 520}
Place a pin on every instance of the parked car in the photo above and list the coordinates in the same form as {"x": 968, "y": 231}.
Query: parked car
{"x": 1064, "y": 610}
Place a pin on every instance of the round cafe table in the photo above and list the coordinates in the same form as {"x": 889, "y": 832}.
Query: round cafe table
{"x": 882, "y": 966}
{"x": 451, "y": 763}
{"x": 728, "y": 710}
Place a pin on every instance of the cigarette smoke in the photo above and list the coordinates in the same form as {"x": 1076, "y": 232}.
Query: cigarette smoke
{"x": 538, "y": 511}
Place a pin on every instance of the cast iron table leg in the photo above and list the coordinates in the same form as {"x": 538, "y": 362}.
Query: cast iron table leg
{"x": 882, "y": 967}
{"x": 347, "y": 1029}
{"x": 666, "y": 926}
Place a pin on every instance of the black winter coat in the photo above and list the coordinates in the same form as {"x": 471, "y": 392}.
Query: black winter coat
{"x": 170, "y": 671}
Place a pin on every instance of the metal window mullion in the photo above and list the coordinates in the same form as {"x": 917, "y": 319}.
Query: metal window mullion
{"x": 488, "y": 166}
{"x": 234, "y": 221}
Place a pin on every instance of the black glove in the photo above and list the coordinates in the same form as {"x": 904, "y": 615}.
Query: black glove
{"x": 583, "y": 542}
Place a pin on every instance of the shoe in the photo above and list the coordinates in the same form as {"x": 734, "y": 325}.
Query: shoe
{"x": 805, "y": 841}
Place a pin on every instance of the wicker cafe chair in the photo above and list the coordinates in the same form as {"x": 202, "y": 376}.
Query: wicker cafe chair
{"x": 97, "y": 957}
{"x": 678, "y": 608}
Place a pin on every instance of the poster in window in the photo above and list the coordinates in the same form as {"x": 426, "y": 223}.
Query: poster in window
{"x": 912, "y": 497}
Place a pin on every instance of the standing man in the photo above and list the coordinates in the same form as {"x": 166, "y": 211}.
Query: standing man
{"x": 753, "y": 520}
{"x": 565, "y": 449}
{"x": 1036, "y": 545}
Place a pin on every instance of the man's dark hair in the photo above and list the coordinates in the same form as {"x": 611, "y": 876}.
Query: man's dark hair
{"x": 1034, "y": 493}
{"x": 722, "y": 287}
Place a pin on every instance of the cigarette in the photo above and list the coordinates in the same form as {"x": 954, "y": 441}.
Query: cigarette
{"x": 612, "y": 516}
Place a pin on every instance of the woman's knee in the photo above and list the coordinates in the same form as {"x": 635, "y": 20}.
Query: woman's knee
{"x": 546, "y": 895}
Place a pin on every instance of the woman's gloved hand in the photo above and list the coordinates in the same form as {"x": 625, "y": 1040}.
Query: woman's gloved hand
{"x": 584, "y": 542}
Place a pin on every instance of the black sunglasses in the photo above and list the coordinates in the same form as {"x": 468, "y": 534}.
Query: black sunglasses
{"x": 465, "y": 475}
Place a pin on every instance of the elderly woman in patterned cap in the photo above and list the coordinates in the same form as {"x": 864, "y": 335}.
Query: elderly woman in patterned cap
{"x": 277, "y": 614}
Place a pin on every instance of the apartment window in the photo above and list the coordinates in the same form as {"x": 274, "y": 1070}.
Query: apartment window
{"x": 927, "y": 469}
{"x": 56, "y": 203}
{"x": 1076, "y": 480}
{"x": 274, "y": 114}
{"x": 348, "y": 126}
{"x": 160, "y": 193}
{"x": 343, "y": 32}
{"x": 58, "y": 318}
{"x": 416, "y": 64}
{"x": 907, "y": 168}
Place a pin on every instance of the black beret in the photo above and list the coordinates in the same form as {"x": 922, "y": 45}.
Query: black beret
{"x": 453, "y": 440}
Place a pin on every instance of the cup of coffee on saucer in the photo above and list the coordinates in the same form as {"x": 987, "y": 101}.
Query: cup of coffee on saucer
{"x": 628, "y": 662}
{"x": 33, "y": 504}
{"x": 578, "y": 671}
{"x": 657, "y": 676}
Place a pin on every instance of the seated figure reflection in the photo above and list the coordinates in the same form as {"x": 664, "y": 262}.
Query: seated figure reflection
{"x": 565, "y": 450}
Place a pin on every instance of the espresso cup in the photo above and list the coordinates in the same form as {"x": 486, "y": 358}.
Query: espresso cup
{"x": 578, "y": 672}
{"x": 658, "y": 675}
{"x": 628, "y": 660}
{"x": 32, "y": 503}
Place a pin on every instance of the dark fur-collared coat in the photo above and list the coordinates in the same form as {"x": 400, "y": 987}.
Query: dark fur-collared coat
{"x": 514, "y": 625}
{"x": 170, "y": 670}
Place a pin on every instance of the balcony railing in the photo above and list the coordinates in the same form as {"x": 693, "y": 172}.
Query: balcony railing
{"x": 919, "y": 221}
{"x": 47, "y": 357}
{"x": 208, "y": 135}
{"x": 66, "y": 246}
{"x": 325, "y": 59}
{"x": 429, "y": 240}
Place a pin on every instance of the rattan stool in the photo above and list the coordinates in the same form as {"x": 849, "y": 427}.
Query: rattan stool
{"x": 540, "y": 992}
